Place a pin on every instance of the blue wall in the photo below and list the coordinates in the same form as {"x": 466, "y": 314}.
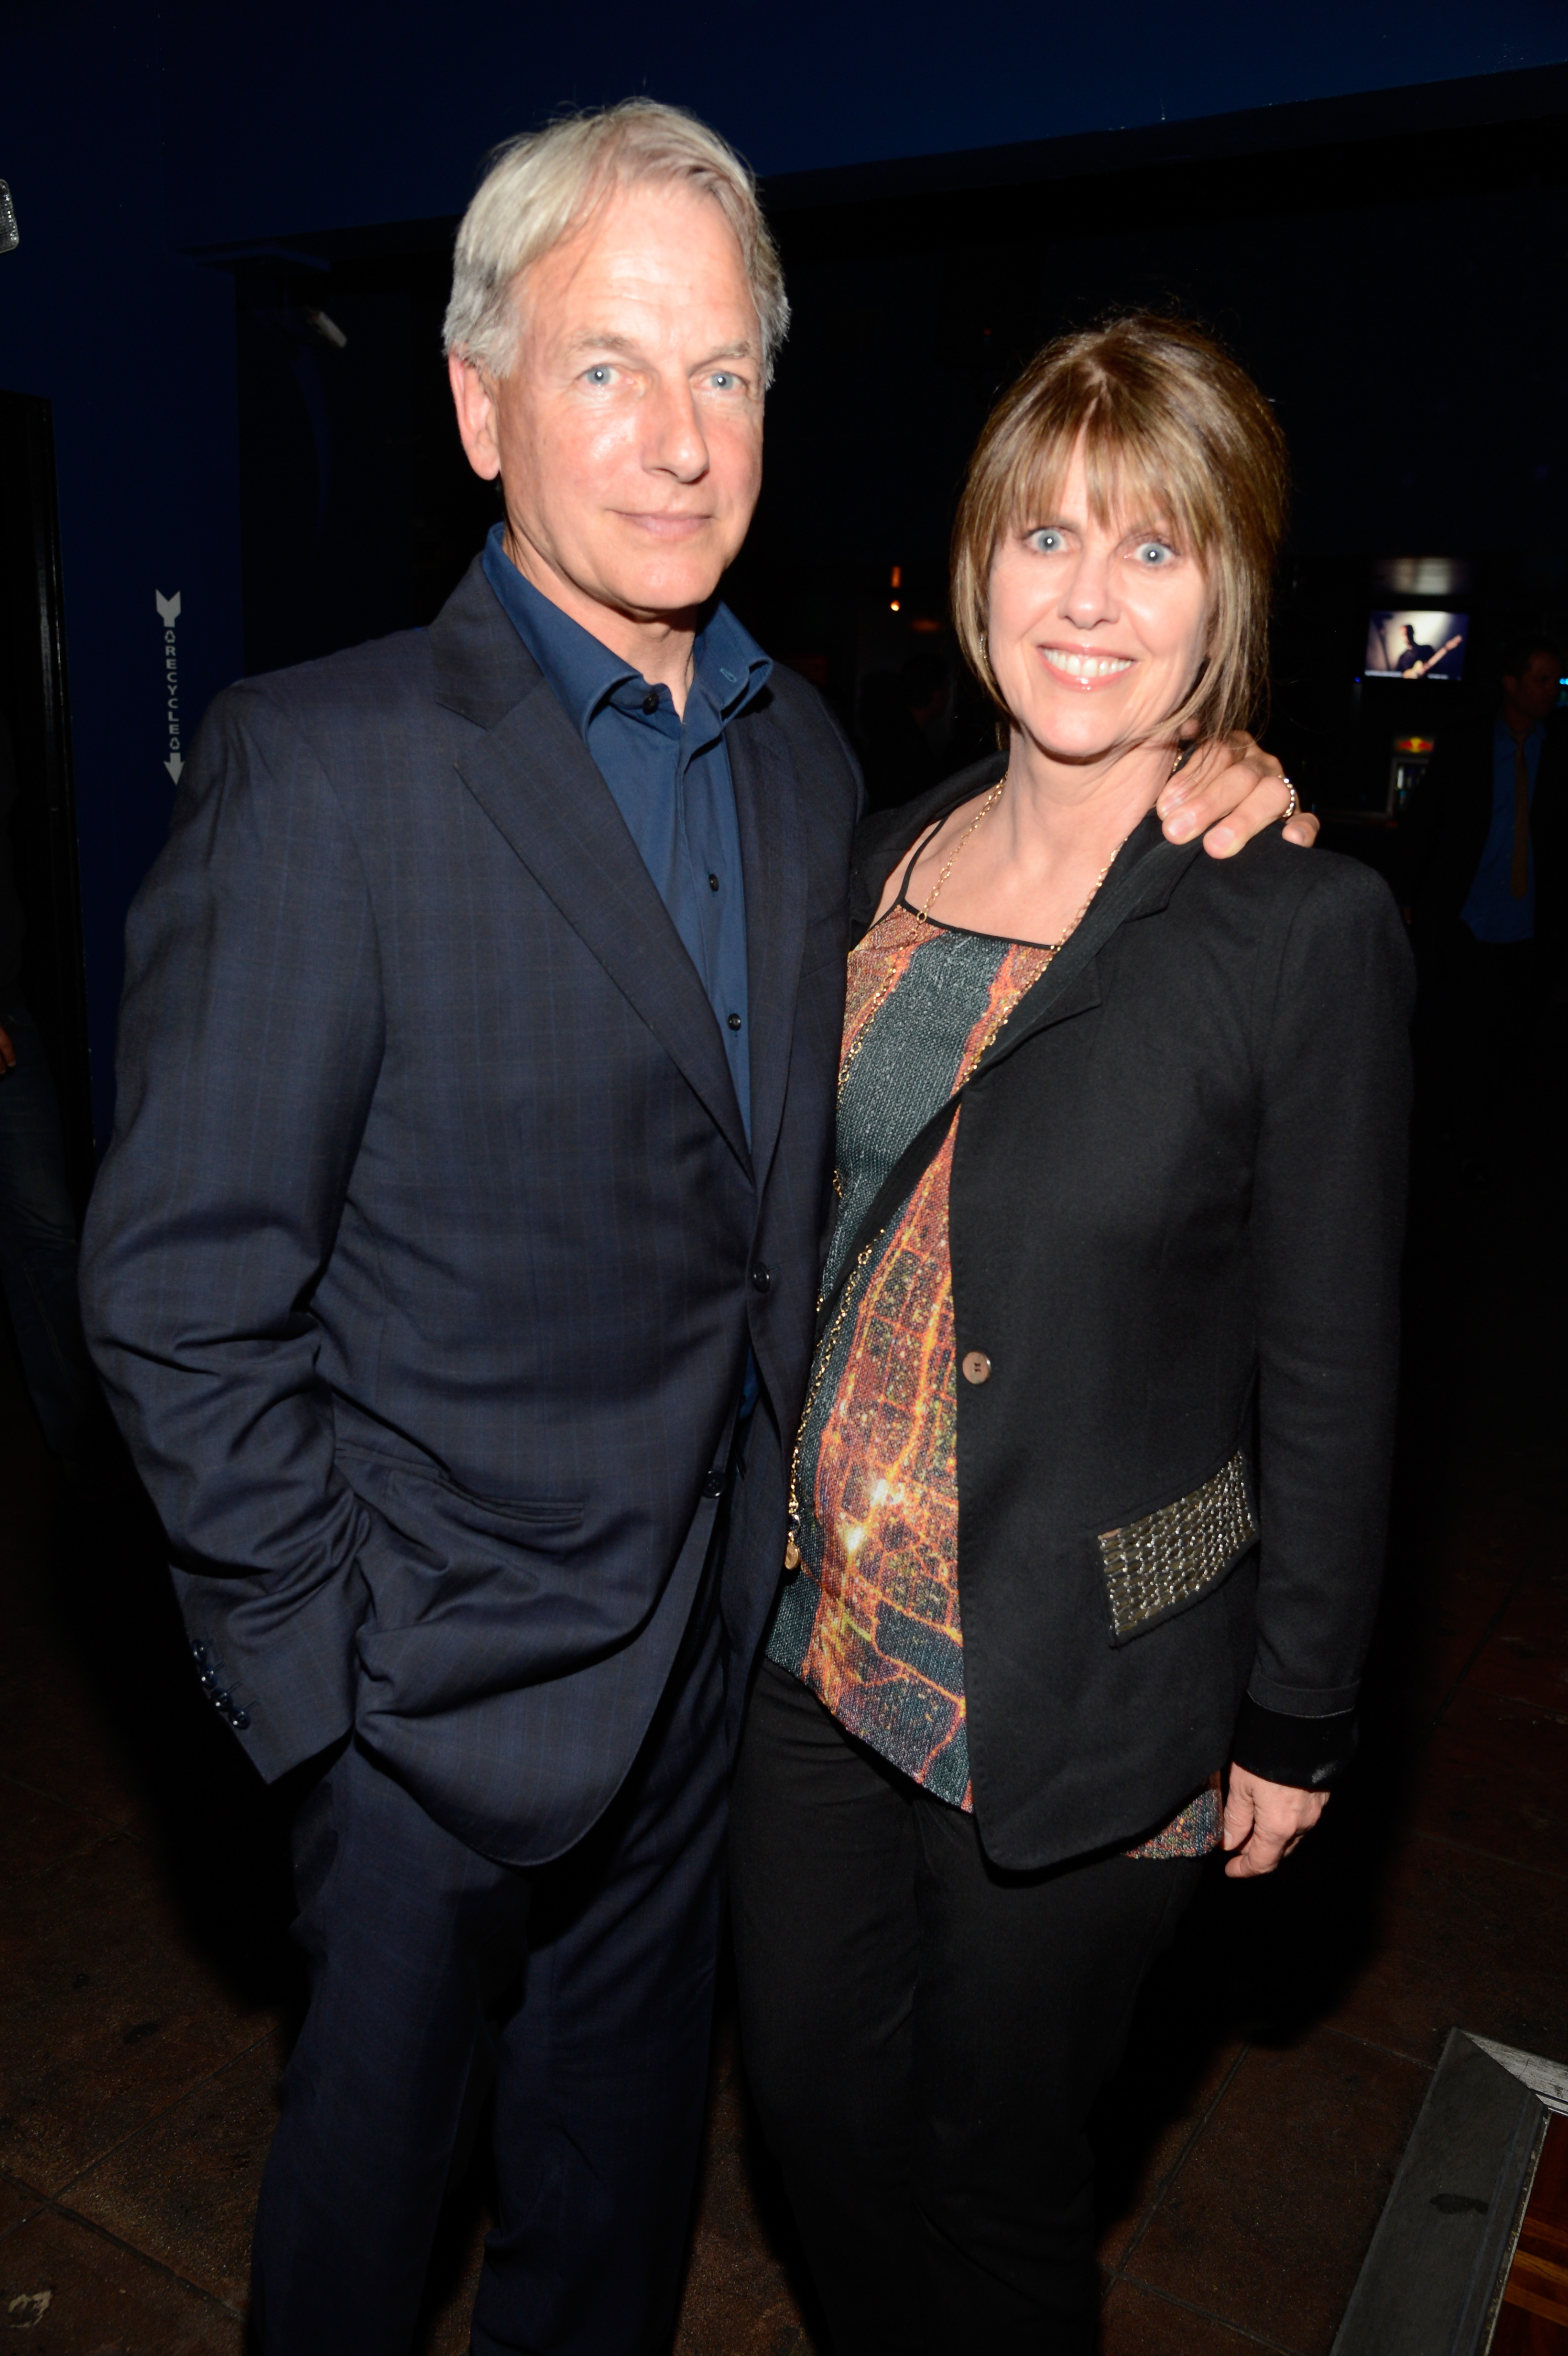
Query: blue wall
{"x": 130, "y": 132}
{"x": 298, "y": 116}
{"x": 134, "y": 348}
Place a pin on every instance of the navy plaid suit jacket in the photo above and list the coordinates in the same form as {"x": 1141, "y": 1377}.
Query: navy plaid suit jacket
{"x": 423, "y": 1261}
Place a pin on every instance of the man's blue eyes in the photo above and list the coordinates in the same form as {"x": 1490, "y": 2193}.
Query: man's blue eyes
{"x": 722, "y": 379}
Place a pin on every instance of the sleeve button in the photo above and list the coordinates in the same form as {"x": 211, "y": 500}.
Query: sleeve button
{"x": 977, "y": 1366}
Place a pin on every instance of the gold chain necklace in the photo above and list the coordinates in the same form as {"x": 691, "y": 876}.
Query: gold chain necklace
{"x": 823, "y": 1356}
{"x": 979, "y": 820}
{"x": 924, "y": 916}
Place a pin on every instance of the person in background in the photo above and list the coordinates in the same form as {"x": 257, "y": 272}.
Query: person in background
{"x": 1483, "y": 856}
{"x": 37, "y": 1224}
{"x": 1089, "y": 1491}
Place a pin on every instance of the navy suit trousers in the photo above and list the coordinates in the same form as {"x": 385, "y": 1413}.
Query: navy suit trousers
{"x": 582, "y": 1991}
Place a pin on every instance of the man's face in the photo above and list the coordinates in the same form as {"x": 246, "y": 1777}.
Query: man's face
{"x": 628, "y": 435}
{"x": 1535, "y": 692}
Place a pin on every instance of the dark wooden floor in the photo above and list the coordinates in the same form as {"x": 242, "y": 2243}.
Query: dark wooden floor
{"x": 1278, "y": 2061}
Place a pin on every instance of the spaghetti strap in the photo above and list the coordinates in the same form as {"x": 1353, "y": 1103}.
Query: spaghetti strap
{"x": 903, "y": 899}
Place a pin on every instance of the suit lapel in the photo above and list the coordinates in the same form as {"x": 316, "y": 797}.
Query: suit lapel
{"x": 528, "y": 770}
{"x": 767, "y": 804}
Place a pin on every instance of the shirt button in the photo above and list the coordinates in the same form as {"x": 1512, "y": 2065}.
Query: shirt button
{"x": 651, "y": 701}
{"x": 977, "y": 1366}
{"x": 762, "y": 1277}
{"x": 713, "y": 883}
{"x": 733, "y": 1021}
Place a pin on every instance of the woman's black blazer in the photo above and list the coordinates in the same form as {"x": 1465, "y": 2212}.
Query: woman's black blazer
{"x": 1175, "y": 1213}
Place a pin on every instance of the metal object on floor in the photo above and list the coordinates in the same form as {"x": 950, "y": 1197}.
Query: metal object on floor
{"x": 1433, "y": 2276}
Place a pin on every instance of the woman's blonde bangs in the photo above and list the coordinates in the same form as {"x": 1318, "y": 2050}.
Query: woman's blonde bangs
{"x": 1176, "y": 438}
{"x": 1127, "y": 477}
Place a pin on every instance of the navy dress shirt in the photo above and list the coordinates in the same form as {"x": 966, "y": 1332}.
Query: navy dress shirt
{"x": 669, "y": 776}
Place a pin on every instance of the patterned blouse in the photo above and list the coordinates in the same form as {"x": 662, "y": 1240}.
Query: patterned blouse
{"x": 871, "y": 1620}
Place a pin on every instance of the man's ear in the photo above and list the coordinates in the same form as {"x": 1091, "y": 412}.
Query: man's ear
{"x": 473, "y": 399}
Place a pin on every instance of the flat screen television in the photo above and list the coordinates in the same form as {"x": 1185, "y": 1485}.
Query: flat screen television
{"x": 1416, "y": 643}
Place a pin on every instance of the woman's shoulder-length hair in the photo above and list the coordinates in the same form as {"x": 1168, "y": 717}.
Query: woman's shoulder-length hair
{"x": 1175, "y": 434}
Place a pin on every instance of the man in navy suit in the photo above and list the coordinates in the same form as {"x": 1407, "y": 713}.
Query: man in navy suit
{"x": 452, "y": 1266}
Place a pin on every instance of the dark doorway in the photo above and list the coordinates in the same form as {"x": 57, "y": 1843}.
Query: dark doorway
{"x": 43, "y": 822}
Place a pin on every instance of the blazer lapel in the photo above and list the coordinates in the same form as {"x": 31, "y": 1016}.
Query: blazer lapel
{"x": 767, "y": 804}
{"x": 1147, "y": 870}
{"x": 528, "y": 770}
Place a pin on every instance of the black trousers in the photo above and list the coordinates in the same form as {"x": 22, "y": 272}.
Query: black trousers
{"x": 925, "y": 2037}
{"x": 582, "y": 1992}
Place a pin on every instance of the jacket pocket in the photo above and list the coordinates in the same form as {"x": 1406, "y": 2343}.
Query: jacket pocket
{"x": 537, "y": 1514}
{"x": 443, "y": 1552}
{"x": 379, "y": 1477}
{"x": 1172, "y": 1558}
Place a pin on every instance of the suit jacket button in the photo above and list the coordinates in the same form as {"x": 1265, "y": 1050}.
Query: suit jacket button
{"x": 713, "y": 1486}
{"x": 761, "y": 1278}
{"x": 977, "y": 1366}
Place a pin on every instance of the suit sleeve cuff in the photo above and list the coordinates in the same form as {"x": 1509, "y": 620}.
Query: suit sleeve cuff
{"x": 1310, "y": 1752}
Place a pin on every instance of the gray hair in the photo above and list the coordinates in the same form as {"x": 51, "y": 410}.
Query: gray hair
{"x": 540, "y": 188}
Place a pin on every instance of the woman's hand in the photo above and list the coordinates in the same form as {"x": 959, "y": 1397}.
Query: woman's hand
{"x": 1229, "y": 792}
{"x": 1263, "y": 1821}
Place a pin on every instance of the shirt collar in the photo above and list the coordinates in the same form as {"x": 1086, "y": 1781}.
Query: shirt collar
{"x": 1507, "y": 736}
{"x": 729, "y": 668}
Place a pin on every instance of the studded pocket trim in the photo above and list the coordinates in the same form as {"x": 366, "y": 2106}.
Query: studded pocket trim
{"x": 1155, "y": 1566}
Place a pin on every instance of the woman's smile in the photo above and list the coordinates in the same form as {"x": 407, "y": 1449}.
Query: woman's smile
{"x": 1085, "y": 670}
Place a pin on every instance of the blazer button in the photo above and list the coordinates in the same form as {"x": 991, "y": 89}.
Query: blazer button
{"x": 761, "y": 1278}
{"x": 977, "y": 1366}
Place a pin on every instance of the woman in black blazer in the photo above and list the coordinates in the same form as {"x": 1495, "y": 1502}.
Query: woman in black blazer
{"x": 1089, "y": 1490}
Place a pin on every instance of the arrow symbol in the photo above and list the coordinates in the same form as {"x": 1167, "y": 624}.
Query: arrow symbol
{"x": 168, "y": 608}
{"x": 174, "y": 764}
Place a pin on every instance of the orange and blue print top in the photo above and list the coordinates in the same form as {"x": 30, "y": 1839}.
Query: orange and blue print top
{"x": 871, "y": 1620}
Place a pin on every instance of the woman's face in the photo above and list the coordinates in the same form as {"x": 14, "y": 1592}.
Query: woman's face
{"x": 1095, "y": 631}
